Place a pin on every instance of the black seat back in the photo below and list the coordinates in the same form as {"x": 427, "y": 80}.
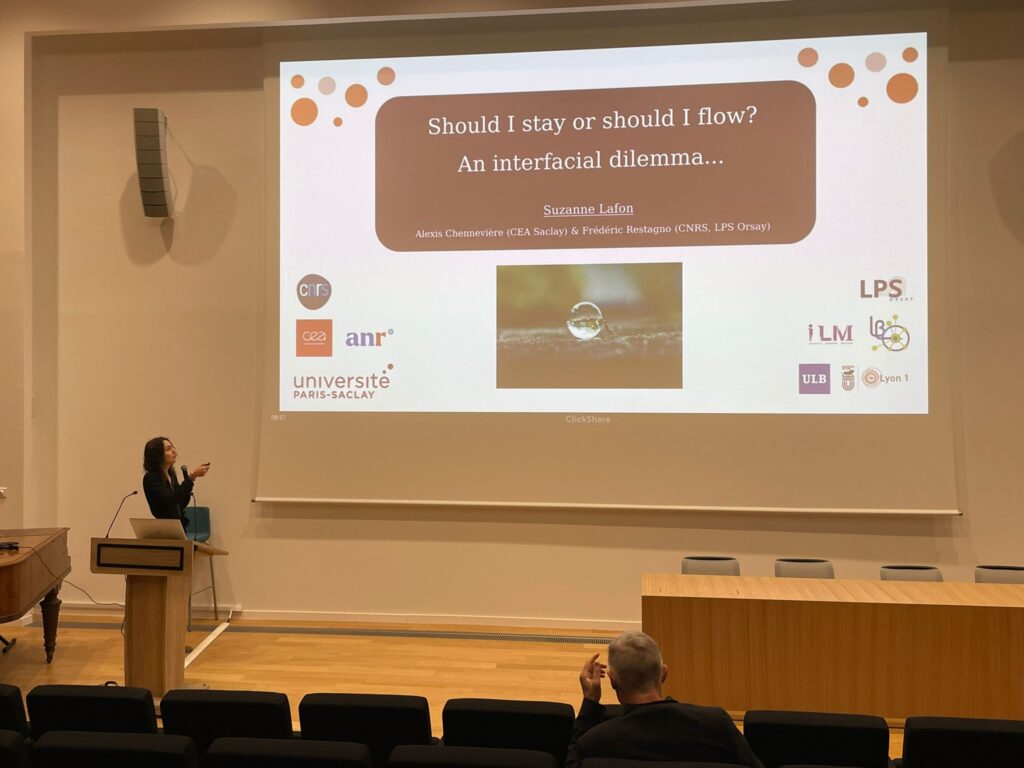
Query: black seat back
{"x": 234, "y": 752}
{"x": 90, "y": 708}
{"x": 544, "y": 726}
{"x": 60, "y": 749}
{"x": 945, "y": 742}
{"x": 379, "y": 721}
{"x": 13, "y": 752}
{"x": 206, "y": 715}
{"x": 468, "y": 757}
{"x": 12, "y": 710}
{"x": 817, "y": 738}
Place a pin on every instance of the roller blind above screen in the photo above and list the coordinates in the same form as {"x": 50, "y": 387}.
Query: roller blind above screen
{"x": 694, "y": 277}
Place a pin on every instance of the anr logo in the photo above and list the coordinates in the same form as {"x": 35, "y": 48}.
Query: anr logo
{"x": 313, "y": 338}
{"x": 313, "y": 291}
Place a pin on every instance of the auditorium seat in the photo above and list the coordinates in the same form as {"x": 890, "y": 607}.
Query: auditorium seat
{"x": 90, "y": 708}
{"x": 64, "y": 749}
{"x": 233, "y": 752}
{"x": 817, "y": 738}
{"x": 614, "y": 762}
{"x": 544, "y": 726}
{"x": 418, "y": 756}
{"x": 379, "y": 721}
{"x": 12, "y": 710}
{"x": 13, "y": 752}
{"x": 711, "y": 565}
{"x": 999, "y": 574}
{"x": 960, "y": 742}
{"x": 804, "y": 568}
{"x": 206, "y": 715}
{"x": 910, "y": 573}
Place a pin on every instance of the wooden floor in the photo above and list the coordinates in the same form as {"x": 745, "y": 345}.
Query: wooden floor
{"x": 318, "y": 662}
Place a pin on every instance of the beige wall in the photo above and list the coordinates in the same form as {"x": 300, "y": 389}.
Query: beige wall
{"x": 125, "y": 328}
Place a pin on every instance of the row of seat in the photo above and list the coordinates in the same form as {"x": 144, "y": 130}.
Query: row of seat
{"x": 215, "y": 728}
{"x": 817, "y": 568}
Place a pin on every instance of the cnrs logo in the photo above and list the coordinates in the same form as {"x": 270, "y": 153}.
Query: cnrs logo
{"x": 313, "y": 291}
{"x": 313, "y": 338}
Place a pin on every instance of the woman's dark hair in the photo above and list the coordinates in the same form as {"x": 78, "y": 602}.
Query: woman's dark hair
{"x": 153, "y": 455}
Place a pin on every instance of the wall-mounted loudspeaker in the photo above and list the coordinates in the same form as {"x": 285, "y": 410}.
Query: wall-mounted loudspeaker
{"x": 151, "y": 160}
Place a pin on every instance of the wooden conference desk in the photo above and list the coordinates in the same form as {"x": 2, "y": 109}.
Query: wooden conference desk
{"x": 887, "y": 648}
{"x": 33, "y": 575}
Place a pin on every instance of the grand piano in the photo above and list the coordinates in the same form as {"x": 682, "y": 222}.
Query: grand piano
{"x": 33, "y": 574}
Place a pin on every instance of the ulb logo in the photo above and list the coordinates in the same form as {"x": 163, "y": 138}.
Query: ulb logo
{"x": 313, "y": 338}
{"x": 815, "y": 378}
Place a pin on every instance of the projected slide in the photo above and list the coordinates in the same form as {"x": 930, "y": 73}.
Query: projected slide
{"x": 721, "y": 228}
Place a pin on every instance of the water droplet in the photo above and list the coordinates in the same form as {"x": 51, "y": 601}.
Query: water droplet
{"x": 585, "y": 321}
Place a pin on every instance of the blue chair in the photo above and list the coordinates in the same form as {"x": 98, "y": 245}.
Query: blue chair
{"x": 199, "y": 531}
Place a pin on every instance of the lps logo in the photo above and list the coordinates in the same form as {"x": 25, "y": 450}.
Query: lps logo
{"x": 815, "y": 378}
{"x": 874, "y": 378}
{"x": 313, "y": 338}
{"x": 895, "y": 289}
{"x": 313, "y": 291}
{"x": 849, "y": 378}
{"x": 367, "y": 338}
{"x": 891, "y": 335}
{"x": 837, "y": 334}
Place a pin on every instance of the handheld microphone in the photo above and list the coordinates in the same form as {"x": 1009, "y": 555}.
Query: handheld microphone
{"x": 184, "y": 472}
{"x": 107, "y": 534}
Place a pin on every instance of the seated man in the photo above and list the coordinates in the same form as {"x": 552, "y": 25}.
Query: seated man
{"x": 651, "y": 726}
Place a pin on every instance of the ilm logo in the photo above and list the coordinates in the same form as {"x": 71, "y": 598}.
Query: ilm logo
{"x": 313, "y": 338}
{"x": 837, "y": 334}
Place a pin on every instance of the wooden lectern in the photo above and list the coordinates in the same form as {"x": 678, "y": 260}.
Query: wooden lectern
{"x": 159, "y": 575}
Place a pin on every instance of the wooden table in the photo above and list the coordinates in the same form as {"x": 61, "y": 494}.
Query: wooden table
{"x": 33, "y": 574}
{"x": 889, "y": 648}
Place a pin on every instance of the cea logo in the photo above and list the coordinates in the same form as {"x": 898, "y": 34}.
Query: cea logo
{"x": 313, "y": 338}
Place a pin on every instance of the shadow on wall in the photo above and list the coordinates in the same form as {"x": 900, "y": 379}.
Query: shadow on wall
{"x": 204, "y": 214}
{"x": 1006, "y": 171}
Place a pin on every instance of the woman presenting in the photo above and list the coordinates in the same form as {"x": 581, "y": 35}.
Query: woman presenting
{"x": 166, "y": 496}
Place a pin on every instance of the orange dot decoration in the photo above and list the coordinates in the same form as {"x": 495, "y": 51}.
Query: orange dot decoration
{"x": 910, "y": 54}
{"x": 841, "y": 75}
{"x": 355, "y": 95}
{"x": 337, "y": 121}
{"x": 386, "y": 76}
{"x": 862, "y": 101}
{"x": 298, "y": 81}
{"x": 304, "y": 112}
{"x": 902, "y": 88}
{"x": 808, "y": 57}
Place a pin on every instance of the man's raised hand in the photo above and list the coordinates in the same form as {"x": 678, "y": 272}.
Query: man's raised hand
{"x": 590, "y": 678}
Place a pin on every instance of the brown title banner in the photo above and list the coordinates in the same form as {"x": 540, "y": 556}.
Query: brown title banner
{"x": 724, "y": 164}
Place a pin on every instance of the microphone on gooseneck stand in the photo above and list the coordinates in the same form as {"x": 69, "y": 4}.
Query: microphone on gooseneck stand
{"x": 107, "y": 534}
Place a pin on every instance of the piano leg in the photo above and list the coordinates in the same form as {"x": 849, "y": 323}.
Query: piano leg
{"x": 50, "y": 606}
